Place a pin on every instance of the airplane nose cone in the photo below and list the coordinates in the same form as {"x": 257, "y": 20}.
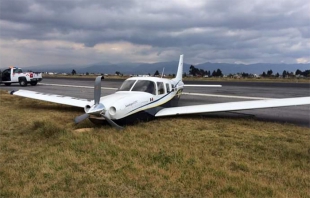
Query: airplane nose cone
{"x": 96, "y": 109}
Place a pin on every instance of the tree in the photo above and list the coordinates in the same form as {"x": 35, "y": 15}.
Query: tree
{"x": 264, "y": 74}
{"x": 73, "y": 72}
{"x": 213, "y": 73}
{"x": 269, "y": 72}
{"x": 201, "y": 72}
{"x": 244, "y": 75}
{"x": 284, "y": 74}
{"x": 87, "y": 73}
{"x": 184, "y": 74}
{"x": 117, "y": 73}
{"x": 156, "y": 73}
{"x": 298, "y": 72}
{"x": 219, "y": 72}
{"x": 193, "y": 70}
{"x": 306, "y": 73}
{"x": 277, "y": 75}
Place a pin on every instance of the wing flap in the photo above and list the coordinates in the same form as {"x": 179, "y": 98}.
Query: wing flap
{"x": 233, "y": 106}
{"x": 66, "y": 100}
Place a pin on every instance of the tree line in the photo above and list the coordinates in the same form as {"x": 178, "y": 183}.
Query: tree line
{"x": 285, "y": 73}
{"x": 218, "y": 73}
{"x": 200, "y": 72}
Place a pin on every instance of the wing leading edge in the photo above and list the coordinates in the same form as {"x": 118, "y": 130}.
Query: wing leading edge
{"x": 76, "y": 102}
{"x": 233, "y": 106}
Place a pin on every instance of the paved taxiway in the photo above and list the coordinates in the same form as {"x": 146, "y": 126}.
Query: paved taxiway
{"x": 230, "y": 92}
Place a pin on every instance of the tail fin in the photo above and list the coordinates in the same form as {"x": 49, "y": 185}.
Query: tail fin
{"x": 180, "y": 69}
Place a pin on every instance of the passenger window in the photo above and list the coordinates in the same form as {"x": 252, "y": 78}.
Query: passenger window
{"x": 160, "y": 87}
{"x": 167, "y": 87}
{"x": 172, "y": 86}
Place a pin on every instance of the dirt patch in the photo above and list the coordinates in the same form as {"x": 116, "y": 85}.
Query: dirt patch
{"x": 82, "y": 130}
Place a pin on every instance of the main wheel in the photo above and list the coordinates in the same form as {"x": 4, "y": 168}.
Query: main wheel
{"x": 7, "y": 84}
{"x": 33, "y": 83}
{"x": 23, "y": 82}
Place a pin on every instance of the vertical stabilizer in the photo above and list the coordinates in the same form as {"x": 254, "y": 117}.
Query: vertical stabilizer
{"x": 180, "y": 69}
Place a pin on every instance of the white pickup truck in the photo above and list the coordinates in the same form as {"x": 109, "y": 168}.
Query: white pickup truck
{"x": 16, "y": 75}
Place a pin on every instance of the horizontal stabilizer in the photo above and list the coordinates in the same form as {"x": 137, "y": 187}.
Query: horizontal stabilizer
{"x": 233, "y": 106}
{"x": 76, "y": 102}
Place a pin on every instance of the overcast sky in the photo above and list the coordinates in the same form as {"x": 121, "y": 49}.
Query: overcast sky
{"x": 36, "y": 32}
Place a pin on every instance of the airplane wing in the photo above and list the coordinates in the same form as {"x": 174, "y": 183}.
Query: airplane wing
{"x": 233, "y": 106}
{"x": 76, "y": 102}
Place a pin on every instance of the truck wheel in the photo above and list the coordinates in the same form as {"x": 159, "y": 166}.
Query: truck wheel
{"x": 33, "y": 83}
{"x": 7, "y": 84}
{"x": 23, "y": 82}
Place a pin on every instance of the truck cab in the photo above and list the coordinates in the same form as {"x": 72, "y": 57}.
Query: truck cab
{"x": 16, "y": 75}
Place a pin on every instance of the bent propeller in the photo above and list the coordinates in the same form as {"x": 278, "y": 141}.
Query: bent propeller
{"x": 98, "y": 109}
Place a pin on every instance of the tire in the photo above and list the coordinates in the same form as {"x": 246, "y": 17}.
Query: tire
{"x": 7, "y": 84}
{"x": 33, "y": 83}
{"x": 23, "y": 82}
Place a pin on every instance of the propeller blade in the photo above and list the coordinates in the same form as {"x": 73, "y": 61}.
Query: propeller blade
{"x": 97, "y": 89}
{"x": 112, "y": 123}
{"x": 81, "y": 118}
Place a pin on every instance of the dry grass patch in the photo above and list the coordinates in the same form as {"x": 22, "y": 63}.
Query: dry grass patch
{"x": 41, "y": 155}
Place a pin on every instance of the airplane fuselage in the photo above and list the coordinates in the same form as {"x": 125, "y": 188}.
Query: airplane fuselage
{"x": 136, "y": 94}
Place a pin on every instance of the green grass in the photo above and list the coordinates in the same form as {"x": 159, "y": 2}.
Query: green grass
{"x": 43, "y": 155}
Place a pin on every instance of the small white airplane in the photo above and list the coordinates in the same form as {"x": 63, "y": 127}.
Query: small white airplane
{"x": 152, "y": 96}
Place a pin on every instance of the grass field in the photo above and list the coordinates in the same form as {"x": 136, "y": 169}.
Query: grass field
{"x": 43, "y": 154}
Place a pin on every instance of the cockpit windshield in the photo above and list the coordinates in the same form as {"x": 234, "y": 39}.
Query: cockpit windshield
{"x": 145, "y": 86}
{"x": 127, "y": 84}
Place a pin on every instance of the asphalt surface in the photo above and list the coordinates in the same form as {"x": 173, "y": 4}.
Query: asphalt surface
{"x": 299, "y": 115}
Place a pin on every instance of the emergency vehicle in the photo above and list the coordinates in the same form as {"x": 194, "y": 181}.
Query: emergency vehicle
{"x": 16, "y": 75}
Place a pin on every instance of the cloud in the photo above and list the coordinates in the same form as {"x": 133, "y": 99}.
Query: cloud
{"x": 223, "y": 31}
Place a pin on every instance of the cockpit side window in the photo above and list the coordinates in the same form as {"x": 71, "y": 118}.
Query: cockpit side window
{"x": 145, "y": 86}
{"x": 168, "y": 87}
{"x": 126, "y": 86}
{"x": 161, "y": 88}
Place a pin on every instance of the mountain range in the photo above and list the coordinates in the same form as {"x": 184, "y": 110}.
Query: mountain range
{"x": 170, "y": 68}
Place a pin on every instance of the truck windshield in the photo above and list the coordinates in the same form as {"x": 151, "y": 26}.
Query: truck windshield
{"x": 17, "y": 71}
{"x": 127, "y": 84}
{"x": 145, "y": 86}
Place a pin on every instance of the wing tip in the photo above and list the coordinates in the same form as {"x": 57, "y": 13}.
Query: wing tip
{"x": 11, "y": 92}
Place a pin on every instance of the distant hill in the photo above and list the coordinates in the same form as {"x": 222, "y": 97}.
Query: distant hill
{"x": 170, "y": 68}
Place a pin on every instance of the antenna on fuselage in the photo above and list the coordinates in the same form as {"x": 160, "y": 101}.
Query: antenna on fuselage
{"x": 162, "y": 74}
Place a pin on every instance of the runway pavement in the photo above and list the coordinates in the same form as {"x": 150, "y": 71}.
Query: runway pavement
{"x": 230, "y": 92}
